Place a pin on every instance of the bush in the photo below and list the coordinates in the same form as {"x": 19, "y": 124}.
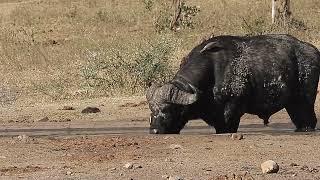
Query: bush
{"x": 113, "y": 71}
{"x": 152, "y": 63}
{"x": 180, "y": 17}
{"x": 148, "y": 4}
{"x": 187, "y": 14}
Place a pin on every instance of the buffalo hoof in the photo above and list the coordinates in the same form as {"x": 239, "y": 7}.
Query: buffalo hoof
{"x": 307, "y": 129}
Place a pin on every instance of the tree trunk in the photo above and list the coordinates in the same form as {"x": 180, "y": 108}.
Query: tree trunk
{"x": 176, "y": 6}
{"x": 281, "y": 13}
{"x": 273, "y": 11}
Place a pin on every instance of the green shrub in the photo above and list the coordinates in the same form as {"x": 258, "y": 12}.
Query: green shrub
{"x": 112, "y": 71}
{"x": 187, "y": 14}
{"x": 152, "y": 62}
{"x": 180, "y": 17}
{"x": 148, "y": 4}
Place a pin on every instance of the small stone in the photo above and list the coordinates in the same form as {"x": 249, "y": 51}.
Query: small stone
{"x": 294, "y": 175}
{"x": 165, "y": 177}
{"x": 113, "y": 169}
{"x": 23, "y": 138}
{"x": 68, "y": 108}
{"x": 68, "y": 173}
{"x": 168, "y": 160}
{"x": 247, "y": 176}
{"x": 175, "y": 178}
{"x": 65, "y": 120}
{"x": 313, "y": 170}
{"x": 45, "y": 119}
{"x": 293, "y": 164}
{"x": 269, "y": 167}
{"x": 90, "y": 110}
{"x": 304, "y": 167}
{"x": 137, "y": 167}
{"x": 128, "y": 166}
{"x": 175, "y": 146}
{"x": 236, "y": 136}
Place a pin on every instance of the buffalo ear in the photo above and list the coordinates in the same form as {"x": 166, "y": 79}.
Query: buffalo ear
{"x": 212, "y": 47}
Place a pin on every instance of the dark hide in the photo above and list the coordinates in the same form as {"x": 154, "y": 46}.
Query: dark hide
{"x": 235, "y": 75}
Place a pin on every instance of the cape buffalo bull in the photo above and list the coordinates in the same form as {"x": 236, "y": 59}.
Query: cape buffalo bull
{"x": 226, "y": 76}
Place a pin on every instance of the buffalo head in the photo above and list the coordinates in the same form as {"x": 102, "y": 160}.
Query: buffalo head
{"x": 167, "y": 103}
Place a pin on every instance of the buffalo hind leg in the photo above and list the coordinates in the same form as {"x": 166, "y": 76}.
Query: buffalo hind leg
{"x": 303, "y": 116}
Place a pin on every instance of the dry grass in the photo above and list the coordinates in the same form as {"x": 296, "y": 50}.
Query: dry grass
{"x": 45, "y": 45}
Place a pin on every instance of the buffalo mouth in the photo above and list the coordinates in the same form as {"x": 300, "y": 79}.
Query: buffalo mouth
{"x": 158, "y": 131}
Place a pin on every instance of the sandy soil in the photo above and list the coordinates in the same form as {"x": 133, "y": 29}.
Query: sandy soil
{"x": 52, "y": 141}
{"x": 195, "y": 154}
{"x": 154, "y": 157}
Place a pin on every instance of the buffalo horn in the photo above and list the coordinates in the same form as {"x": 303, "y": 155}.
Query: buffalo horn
{"x": 173, "y": 94}
{"x": 209, "y": 46}
{"x": 151, "y": 90}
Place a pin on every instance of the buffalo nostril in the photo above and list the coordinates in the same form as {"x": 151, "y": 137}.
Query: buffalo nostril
{"x": 155, "y": 131}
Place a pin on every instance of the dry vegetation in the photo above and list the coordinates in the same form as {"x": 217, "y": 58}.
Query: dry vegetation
{"x": 62, "y": 49}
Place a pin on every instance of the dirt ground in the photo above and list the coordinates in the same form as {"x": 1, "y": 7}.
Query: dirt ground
{"x": 55, "y": 141}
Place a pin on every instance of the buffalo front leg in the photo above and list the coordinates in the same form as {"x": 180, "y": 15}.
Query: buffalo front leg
{"x": 216, "y": 120}
{"x": 232, "y": 115}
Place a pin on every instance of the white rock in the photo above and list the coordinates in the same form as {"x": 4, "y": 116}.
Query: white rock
{"x": 165, "y": 177}
{"x": 23, "y": 138}
{"x": 236, "y": 136}
{"x": 269, "y": 167}
{"x": 128, "y": 165}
